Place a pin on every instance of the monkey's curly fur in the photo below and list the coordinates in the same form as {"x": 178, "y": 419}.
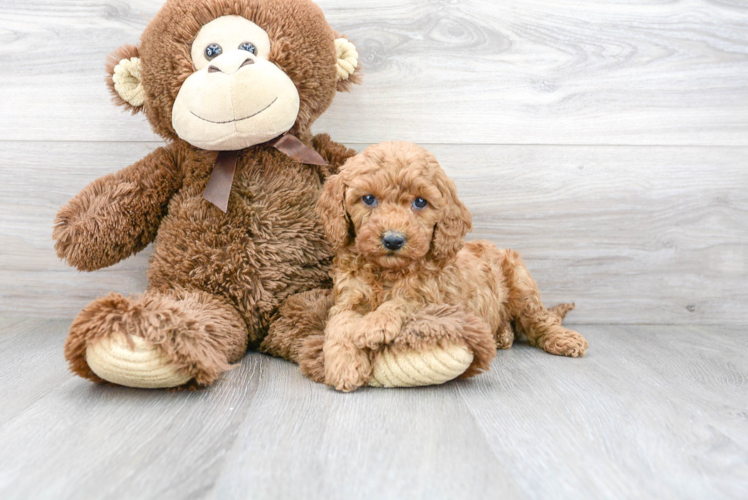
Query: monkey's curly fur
{"x": 380, "y": 293}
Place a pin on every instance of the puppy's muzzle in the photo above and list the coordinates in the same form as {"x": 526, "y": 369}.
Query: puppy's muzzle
{"x": 393, "y": 240}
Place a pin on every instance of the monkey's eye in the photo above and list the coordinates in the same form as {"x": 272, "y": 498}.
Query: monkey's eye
{"x": 248, "y": 47}
{"x": 420, "y": 203}
{"x": 212, "y": 51}
{"x": 369, "y": 200}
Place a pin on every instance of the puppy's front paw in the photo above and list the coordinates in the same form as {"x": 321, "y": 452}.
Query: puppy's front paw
{"x": 374, "y": 338}
{"x": 348, "y": 378}
{"x": 346, "y": 367}
{"x": 346, "y": 382}
{"x": 374, "y": 333}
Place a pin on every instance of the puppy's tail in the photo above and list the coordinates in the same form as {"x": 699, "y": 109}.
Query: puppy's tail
{"x": 560, "y": 311}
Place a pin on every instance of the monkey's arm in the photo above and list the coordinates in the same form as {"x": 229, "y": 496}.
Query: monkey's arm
{"x": 335, "y": 154}
{"x": 117, "y": 215}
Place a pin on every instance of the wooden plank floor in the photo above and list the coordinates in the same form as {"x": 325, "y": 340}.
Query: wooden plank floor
{"x": 651, "y": 412}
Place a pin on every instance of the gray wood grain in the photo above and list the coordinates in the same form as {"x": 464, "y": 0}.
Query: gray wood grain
{"x": 633, "y": 235}
{"x": 477, "y": 71}
{"x": 26, "y": 345}
{"x": 650, "y": 412}
{"x": 62, "y": 437}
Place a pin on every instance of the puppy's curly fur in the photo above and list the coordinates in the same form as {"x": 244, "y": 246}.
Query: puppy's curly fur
{"x": 381, "y": 293}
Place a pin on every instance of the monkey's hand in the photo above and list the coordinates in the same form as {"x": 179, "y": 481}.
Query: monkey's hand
{"x": 116, "y": 215}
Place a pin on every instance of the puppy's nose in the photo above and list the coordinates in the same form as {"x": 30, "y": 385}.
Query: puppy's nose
{"x": 392, "y": 240}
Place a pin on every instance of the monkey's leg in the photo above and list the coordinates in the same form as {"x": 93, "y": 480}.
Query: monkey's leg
{"x": 156, "y": 340}
{"x": 298, "y": 333}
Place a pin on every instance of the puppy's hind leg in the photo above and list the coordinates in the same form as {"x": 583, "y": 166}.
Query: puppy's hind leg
{"x": 542, "y": 327}
{"x": 504, "y": 335}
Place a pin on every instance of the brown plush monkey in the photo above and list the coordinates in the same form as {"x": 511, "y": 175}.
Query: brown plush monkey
{"x": 233, "y": 86}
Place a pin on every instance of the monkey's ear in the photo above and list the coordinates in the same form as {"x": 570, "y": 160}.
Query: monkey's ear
{"x": 349, "y": 69}
{"x": 123, "y": 78}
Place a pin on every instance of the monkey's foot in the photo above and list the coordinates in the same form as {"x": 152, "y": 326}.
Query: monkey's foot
{"x": 155, "y": 340}
{"x": 137, "y": 363}
{"x": 411, "y": 368}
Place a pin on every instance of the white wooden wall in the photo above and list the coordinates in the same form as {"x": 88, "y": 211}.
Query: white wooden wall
{"x": 607, "y": 141}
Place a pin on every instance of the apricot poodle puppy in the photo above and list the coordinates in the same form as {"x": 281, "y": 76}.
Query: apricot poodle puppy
{"x": 398, "y": 228}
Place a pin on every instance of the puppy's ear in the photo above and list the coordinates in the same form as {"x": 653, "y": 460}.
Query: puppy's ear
{"x": 124, "y": 78}
{"x": 454, "y": 225}
{"x": 331, "y": 209}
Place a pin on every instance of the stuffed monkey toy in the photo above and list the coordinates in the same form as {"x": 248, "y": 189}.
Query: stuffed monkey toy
{"x": 233, "y": 86}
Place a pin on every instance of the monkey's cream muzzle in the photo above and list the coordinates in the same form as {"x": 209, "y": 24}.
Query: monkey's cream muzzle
{"x": 232, "y": 103}
{"x": 238, "y": 98}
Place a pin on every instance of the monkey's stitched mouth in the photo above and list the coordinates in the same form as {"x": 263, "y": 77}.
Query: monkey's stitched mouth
{"x": 238, "y": 119}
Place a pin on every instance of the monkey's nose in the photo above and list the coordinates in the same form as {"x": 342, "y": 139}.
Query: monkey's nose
{"x": 230, "y": 63}
{"x": 392, "y": 240}
{"x": 214, "y": 69}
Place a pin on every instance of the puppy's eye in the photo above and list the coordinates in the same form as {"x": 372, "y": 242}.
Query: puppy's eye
{"x": 369, "y": 200}
{"x": 420, "y": 203}
{"x": 249, "y": 47}
{"x": 212, "y": 51}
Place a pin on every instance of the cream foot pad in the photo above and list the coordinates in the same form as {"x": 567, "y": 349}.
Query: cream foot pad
{"x": 143, "y": 366}
{"x": 418, "y": 368}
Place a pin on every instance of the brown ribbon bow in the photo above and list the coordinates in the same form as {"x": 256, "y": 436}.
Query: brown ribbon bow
{"x": 219, "y": 185}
